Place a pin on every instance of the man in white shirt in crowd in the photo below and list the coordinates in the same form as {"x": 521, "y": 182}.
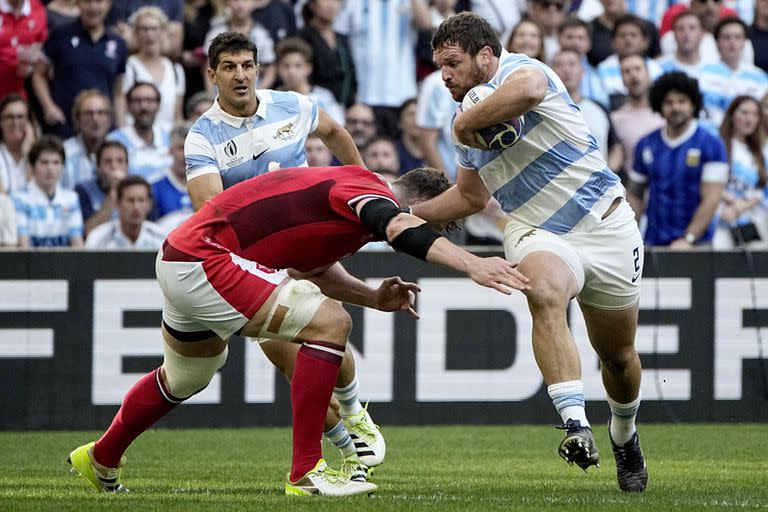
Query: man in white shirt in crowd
{"x": 92, "y": 118}
{"x": 131, "y": 230}
{"x": 147, "y": 141}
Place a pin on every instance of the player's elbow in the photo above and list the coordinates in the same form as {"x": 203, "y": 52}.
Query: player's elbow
{"x": 400, "y": 223}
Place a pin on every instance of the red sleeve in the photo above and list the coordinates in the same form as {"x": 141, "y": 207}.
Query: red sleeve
{"x": 355, "y": 184}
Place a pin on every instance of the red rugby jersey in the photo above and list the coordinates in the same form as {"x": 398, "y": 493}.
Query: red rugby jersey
{"x": 300, "y": 218}
{"x": 28, "y": 29}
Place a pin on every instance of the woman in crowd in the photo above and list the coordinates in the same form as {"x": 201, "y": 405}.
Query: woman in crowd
{"x": 16, "y": 138}
{"x": 332, "y": 65}
{"x": 149, "y": 26}
{"x": 742, "y": 212}
{"x": 527, "y": 38}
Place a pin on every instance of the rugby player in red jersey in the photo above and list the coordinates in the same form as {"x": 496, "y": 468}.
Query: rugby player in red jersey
{"x": 261, "y": 259}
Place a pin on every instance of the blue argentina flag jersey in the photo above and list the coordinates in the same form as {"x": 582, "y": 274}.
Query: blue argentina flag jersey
{"x": 241, "y": 148}
{"x": 553, "y": 177}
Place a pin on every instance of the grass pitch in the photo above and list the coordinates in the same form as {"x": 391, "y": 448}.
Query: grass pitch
{"x": 464, "y": 468}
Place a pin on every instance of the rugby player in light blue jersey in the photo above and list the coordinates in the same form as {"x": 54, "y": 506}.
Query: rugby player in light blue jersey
{"x": 249, "y": 132}
{"x": 567, "y": 224}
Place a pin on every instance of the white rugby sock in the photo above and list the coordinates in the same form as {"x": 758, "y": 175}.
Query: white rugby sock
{"x": 568, "y": 398}
{"x": 623, "y": 420}
{"x": 347, "y": 397}
{"x": 339, "y": 437}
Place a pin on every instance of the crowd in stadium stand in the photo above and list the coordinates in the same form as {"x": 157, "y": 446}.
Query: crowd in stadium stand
{"x": 96, "y": 98}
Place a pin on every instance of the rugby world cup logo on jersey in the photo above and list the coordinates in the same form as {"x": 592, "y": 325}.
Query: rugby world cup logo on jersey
{"x": 230, "y": 150}
{"x": 285, "y": 132}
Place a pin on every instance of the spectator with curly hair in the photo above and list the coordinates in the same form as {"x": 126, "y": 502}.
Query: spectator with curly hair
{"x": 683, "y": 165}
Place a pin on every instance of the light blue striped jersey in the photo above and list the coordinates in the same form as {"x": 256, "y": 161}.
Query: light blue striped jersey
{"x": 435, "y": 109}
{"x": 79, "y": 166}
{"x": 720, "y": 85}
{"x": 553, "y": 177}
{"x": 744, "y": 176}
{"x": 149, "y": 161}
{"x": 239, "y": 148}
{"x": 610, "y": 71}
{"x": 592, "y": 86}
{"x": 669, "y": 63}
{"x": 383, "y": 43}
{"x": 48, "y": 221}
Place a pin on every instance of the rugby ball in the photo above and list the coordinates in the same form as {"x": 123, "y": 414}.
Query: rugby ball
{"x": 498, "y": 136}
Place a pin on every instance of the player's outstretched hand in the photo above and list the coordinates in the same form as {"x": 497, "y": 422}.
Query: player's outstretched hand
{"x": 394, "y": 294}
{"x": 499, "y": 274}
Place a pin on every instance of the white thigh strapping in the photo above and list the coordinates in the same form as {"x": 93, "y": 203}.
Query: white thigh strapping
{"x": 186, "y": 376}
{"x": 295, "y": 307}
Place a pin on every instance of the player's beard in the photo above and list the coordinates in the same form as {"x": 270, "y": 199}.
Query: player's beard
{"x": 475, "y": 76}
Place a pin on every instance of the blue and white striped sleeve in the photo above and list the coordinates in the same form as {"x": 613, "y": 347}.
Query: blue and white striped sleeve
{"x": 75, "y": 221}
{"x": 308, "y": 110}
{"x": 200, "y": 155}
{"x": 22, "y": 215}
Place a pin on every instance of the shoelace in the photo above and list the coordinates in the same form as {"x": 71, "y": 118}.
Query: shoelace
{"x": 362, "y": 424}
{"x": 333, "y": 476}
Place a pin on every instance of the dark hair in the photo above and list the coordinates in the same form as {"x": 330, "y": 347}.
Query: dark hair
{"x": 633, "y": 54}
{"x": 679, "y": 82}
{"x": 135, "y": 86}
{"x": 542, "y": 56}
{"x": 630, "y": 19}
{"x": 423, "y": 183}
{"x": 754, "y": 140}
{"x": 564, "y": 51}
{"x": 405, "y": 105}
{"x": 130, "y": 181}
{"x": 574, "y": 22}
{"x": 380, "y": 138}
{"x": 109, "y": 144}
{"x": 469, "y": 31}
{"x": 687, "y": 13}
{"x": 46, "y": 144}
{"x": 230, "y": 42}
{"x": 730, "y": 20}
{"x": 12, "y": 98}
{"x": 7, "y": 100}
{"x": 291, "y": 45}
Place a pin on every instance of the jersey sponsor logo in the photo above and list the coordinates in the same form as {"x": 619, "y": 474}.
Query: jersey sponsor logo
{"x": 285, "y": 132}
{"x": 693, "y": 157}
{"x": 111, "y": 50}
{"x": 230, "y": 149}
{"x": 647, "y": 156}
{"x": 255, "y": 157}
